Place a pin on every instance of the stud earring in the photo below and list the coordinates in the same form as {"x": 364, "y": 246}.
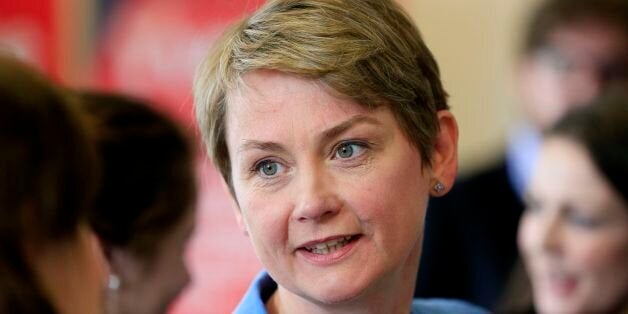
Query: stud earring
{"x": 112, "y": 301}
{"x": 439, "y": 187}
{"x": 114, "y": 282}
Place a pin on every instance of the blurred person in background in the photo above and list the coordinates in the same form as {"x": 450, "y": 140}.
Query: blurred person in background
{"x": 50, "y": 261}
{"x": 145, "y": 209}
{"x": 573, "y": 50}
{"x": 574, "y": 232}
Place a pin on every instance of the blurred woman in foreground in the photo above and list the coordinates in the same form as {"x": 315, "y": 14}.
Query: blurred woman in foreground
{"x": 144, "y": 210}
{"x": 50, "y": 261}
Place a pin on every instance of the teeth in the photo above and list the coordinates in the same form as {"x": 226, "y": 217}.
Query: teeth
{"x": 329, "y": 246}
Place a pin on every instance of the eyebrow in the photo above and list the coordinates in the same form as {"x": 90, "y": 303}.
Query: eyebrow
{"x": 344, "y": 126}
{"x": 259, "y": 145}
{"x": 325, "y": 136}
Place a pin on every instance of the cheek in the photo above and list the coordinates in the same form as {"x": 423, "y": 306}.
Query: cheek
{"x": 525, "y": 236}
{"x": 541, "y": 89}
{"x": 601, "y": 255}
{"x": 603, "y": 271}
{"x": 394, "y": 196}
{"x": 265, "y": 219}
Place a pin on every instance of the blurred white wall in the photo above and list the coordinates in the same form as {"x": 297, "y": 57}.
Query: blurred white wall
{"x": 475, "y": 44}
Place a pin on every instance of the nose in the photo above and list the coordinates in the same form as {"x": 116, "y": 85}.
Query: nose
{"x": 550, "y": 233}
{"x": 317, "y": 198}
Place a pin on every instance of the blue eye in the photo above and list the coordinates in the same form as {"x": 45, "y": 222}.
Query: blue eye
{"x": 348, "y": 150}
{"x": 268, "y": 168}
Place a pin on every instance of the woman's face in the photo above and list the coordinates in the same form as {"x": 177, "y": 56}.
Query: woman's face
{"x": 574, "y": 234}
{"x": 332, "y": 195}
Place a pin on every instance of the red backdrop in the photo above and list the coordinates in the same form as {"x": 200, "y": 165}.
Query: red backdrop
{"x": 150, "y": 48}
{"x": 29, "y": 30}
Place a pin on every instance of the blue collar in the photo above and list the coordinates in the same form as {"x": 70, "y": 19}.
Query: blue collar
{"x": 521, "y": 157}
{"x": 256, "y": 296}
{"x": 263, "y": 287}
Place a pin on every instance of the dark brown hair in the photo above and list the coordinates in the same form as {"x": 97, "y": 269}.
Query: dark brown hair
{"x": 47, "y": 179}
{"x": 551, "y": 14}
{"x": 148, "y": 181}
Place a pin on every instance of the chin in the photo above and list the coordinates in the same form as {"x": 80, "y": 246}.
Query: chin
{"x": 336, "y": 294}
{"x": 555, "y": 306}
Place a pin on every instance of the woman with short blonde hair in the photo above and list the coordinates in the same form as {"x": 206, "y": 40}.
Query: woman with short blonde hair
{"x": 329, "y": 124}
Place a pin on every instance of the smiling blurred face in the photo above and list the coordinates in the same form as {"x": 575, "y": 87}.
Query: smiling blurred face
{"x": 574, "y": 234}
{"x": 332, "y": 194}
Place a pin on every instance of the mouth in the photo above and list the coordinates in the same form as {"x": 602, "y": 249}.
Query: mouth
{"x": 330, "y": 245}
{"x": 562, "y": 283}
{"x": 557, "y": 282}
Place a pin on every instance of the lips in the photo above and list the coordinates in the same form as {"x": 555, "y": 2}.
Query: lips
{"x": 561, "y": 284}
{"x": 328, "y": 245}
{"x": 555, "y": 280}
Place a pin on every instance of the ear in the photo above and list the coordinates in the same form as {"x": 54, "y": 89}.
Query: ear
{"x": 99, "y": 250}
{"x": 445, "y": 154}
{"x": 125, "y": 265}
{"x": 235, "y": 206}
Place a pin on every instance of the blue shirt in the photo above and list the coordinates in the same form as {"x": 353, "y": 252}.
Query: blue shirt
{"x": 521, "y": 157}
{"x": 263, "y": 287}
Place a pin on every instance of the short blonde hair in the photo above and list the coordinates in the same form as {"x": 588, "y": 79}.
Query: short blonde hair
{"x": 368, "y": 50}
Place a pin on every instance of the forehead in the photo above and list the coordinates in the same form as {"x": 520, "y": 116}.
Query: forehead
{"x": 592, "y": 36}
{"x": 266, "y": 100}
{"x": 267, "y": 88}
{"x": 566, "y": 171}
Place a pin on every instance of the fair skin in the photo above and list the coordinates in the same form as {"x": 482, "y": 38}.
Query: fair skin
{"x": 579, "y": 60}
{"x": 71, "y": 272}
{"x": 150, "y": 286}
{"x": 332, "y": 194}
{"x": 574, "y": 234}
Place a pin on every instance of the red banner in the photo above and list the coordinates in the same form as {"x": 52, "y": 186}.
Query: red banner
{"x": 28, "y": 29}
